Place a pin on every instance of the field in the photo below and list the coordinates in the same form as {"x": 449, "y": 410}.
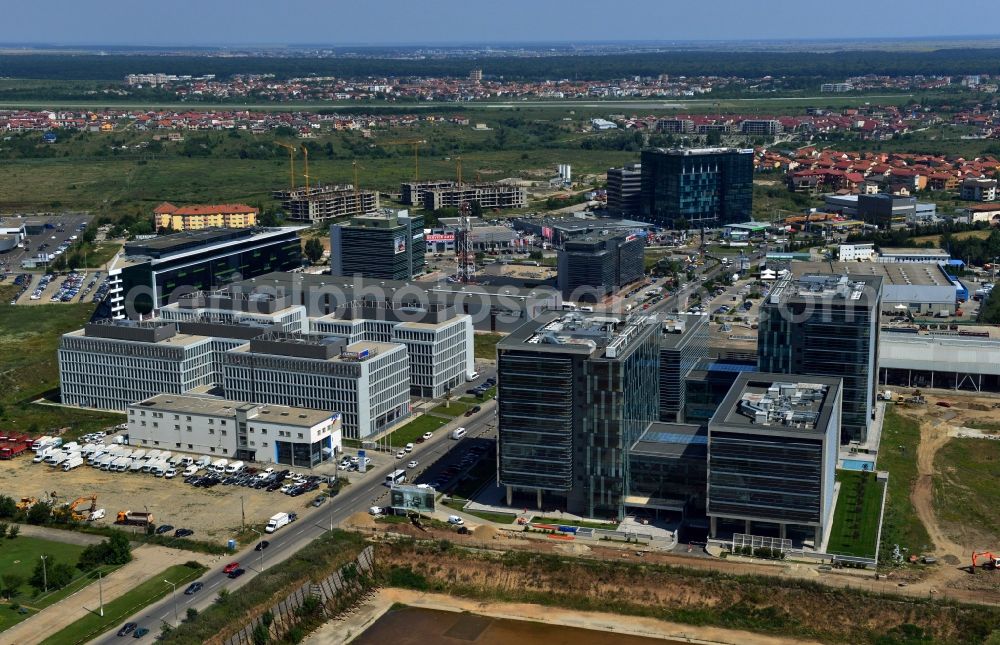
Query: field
{"x": 965, "y": 491}
{"x": 29, "y": 337}
{"x": 855, "y": 520}
{"x": 900, "y": 437}
{"x": 486, "y": 345}
{"x": 124, "y": 606}
{"x": 964, "y": 235}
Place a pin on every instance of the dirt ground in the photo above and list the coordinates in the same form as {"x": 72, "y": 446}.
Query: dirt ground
{"x": 953, "y": 544}
{"x": 213, "y": 514}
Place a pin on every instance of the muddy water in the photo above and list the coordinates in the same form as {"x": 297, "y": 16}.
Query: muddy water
{"x": 411, "y": 626}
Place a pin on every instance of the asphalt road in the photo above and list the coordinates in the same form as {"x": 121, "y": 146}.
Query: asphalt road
{"x": 288, "y": 540}
{"x": 68, "y": 223}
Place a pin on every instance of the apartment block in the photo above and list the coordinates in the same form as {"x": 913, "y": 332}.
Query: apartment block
{"x": 488, "y": 195}
{"x": 761, "y": 127}
{"x": 772, "y": 456}
{"x": 201, "y": 216}
{"x": 413, "y": 193}
{"x": 322, "y": 203}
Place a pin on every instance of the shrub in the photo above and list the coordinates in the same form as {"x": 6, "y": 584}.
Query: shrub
{"x": 13, "y": 531}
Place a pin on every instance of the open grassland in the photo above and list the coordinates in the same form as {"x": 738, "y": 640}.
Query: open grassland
{"x": 902, "y": 526}
{"x": 965, "y": 491}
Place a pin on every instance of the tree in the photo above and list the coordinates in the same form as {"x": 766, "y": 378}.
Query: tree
{"x": 8, "y": 507}
{"x": 314, "y": 249}
{"x": 40, "y": 513}
{"x": 13, "y": 531}
{"x": 11, "y": 583}
{"x": 114, "y": 550}
{"x": 51, "y": 574}
{"x": 476, "y": 209}
{"x": 192, "y": 613}
{"x": 3, "y": 530}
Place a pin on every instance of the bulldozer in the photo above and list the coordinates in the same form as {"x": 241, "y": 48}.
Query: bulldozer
{"x": 26, "y": 503}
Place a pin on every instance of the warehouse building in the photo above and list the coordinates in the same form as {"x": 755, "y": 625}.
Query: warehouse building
{"x": 772, "y": 455}
{"x": 387, "y": 245}
{"x": 367, "y": 383}
{"x": 149, "y": 272}
{"x": 965, "y": 359}
{"x": 223, "y": 428}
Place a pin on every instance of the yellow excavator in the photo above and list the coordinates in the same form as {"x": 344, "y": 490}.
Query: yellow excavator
{"x": 26, "y": 503}
{"x": 79, "y": 516}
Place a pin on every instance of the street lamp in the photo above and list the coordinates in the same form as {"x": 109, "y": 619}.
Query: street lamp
{"x": 45, "y": 576}
{"x": 173, "y": 593}
{"x": 100, "y": 590}
{"x": 260, "y": 538}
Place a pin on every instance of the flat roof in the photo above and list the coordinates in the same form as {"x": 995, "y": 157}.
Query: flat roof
{"x": 778, "y": 402}
{"x": 576, "y": 332}
{"x": 911, "y": 273}
{"x": 216, "y": 406}
{"x": 915, "y": 251}
{"x": 672, "y": 440}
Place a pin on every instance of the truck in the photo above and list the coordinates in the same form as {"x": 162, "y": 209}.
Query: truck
{"x": 41, "y": 443}
{"x": 136, "y": 465}
{"x": 121, "y": 464}
{"x": 277, "y": 521}
{"x": 152, "y": 454}
{"x": 234, "y": 467}
{"x": 134, "y": 518}
{"x": 12, "y": 450}
{"x": 204, "y": 461}
{"x": 72, "y": 463}
{"x": 104, "y": 463}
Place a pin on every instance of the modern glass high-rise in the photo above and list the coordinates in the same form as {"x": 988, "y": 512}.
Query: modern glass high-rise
{"x": 575, "y": 392}
{"x": 696, "y": 186}
{"x": 826, "y": 325}
{"x": 379, "y": 245}
{"x": 592, "y": 267}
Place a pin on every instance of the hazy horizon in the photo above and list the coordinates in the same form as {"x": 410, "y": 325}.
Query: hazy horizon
{"x": 449, "y": 23}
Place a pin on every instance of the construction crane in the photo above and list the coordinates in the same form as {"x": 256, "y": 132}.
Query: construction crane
{"x": 990, "y": 561}
{"x": 354, "y": 166}
{"x": 291, "y": 160}
{"x": 458, "y": 170}
{"x": 416, "y": 143}
{"x": 305, "y": 153}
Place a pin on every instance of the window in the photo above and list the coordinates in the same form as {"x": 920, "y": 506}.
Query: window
{"x": 189, "y": 418}
{"x": 211, "y": 449}
{"x": 177, "y": 445}
{"x": 263, "y": 431}
{"x": 190, "y": 446}
{"x": 156, "y": 443}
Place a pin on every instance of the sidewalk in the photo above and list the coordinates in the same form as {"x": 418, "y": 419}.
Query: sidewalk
{"x": 147, "y": 561}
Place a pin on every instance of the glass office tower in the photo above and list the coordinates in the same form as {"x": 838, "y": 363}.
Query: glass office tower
{"x": 696, "y": 187}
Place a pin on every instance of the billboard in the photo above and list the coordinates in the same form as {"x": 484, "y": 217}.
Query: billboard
{"x": 440, "y": 237}
{"x": 399, "y": 244}
{"x": 361, "y": 461}
{"x": 412, "y": 498}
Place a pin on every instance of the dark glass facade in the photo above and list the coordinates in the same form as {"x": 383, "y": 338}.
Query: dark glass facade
{"x": 827, "y": 336}
{"x": 706, "y": 187}
{"x": 210, "y": 268}
{"x": 391, "y": 248}
{"x": 680, "y": 351}
{"x": 592, "y": 267}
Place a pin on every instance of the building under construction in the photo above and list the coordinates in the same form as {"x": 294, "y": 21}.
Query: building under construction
{"x": 320, "y": 203}
{"x": 489, "y": 195}
{"x": 413, "y": 193}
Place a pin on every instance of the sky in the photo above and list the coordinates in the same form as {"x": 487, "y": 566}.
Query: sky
{"x": 395, "y": 22}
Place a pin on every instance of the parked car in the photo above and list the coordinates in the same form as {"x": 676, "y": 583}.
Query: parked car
{"x": 183, "y": 533}
{"x": 427, "y": 435}
{"x": 236, "y": 573}
{"x": 263, "y": 544}
{"x": 413, "y": 464}
{"x": 455, "y": 520}
{"x": 139, "y": 633}
{"x": 319, "y": 501}
{"x": 408, "y": 447}
{"x": 164, "y": 528}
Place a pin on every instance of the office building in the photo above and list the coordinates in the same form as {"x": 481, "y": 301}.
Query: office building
{"x": 556, "y": 230}
{"x": 683, "y": 343}
{"x": 625, "y": 190}
{"x": 826, "y": 326}
{"x": 387, "y": 245}
{"x": 235, "y": 307}
{"x": 667, "y": 473}
{"x": 321, "y": 203}
{"x": 597, "y": 265}
{"x": 575, "y": 393}
{"x": 149, "y": 272}
{"x": 772, "y": 453}
{"x": 488, "y": 195}
{"x": 222, "y": 428}
{"x": 200, "y": 216}
{"x": 885, "y": 211}
{"x": 696, "y": 187}
{"x": 439, "y": 342}
{"x": 708, "y": 383}
{"x": 367, "y": 383}
{"x": 107, "y": 366}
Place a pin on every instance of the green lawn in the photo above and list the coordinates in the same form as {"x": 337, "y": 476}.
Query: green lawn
{"x": 489, "y": 394}
{"x": 414, "y": 429}
{"x": 19, "y": 556}
{"x": 548, "y": 519}
{"x": 486, "y": 345}
{"x": 969, "y": 468}
{"x": 898, "y": 455}
{"x": 457, "y": 503}
{"x": 855, "y": 520}
{"x": 124, "y": 606}
{"x": 451, "y": 409}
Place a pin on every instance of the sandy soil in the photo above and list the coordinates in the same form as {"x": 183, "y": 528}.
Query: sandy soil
{"x": 212, "y": 514}
{"x": 147, "y": 561}
{"x": 345, "y": 630}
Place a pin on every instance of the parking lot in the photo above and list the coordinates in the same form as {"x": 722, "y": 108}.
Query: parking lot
{"x": 212, "y": 511}
{"x": 56, "y": 231}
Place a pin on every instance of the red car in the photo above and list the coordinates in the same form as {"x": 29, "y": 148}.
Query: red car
{"x": 232, "y": 566}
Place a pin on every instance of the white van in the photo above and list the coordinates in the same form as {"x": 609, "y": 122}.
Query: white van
{"x": 234, "y": 467}
{"x": 219, "y": 466}
{"x": 189, "y": 471}
{"x": 471, "y": 376}
{"x": 204, "y": 461}
{"x": 458, "y": 433}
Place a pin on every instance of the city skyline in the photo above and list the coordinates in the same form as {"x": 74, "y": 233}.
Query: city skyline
{"x": 454, "y": 23}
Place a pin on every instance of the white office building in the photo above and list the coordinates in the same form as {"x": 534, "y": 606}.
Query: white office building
{"x": 238, "y": 308}
{"x": 368, "y": 383}
{"x": 235, "y": 430}
{"x": 439, "y": 343}
{"x": 856, "y": 252}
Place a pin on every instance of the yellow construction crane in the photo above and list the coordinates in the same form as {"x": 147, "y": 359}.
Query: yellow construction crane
{"x": 291, "y": 160}
{"x": 305, "y": 153}
{"x": 416, "y": 143}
